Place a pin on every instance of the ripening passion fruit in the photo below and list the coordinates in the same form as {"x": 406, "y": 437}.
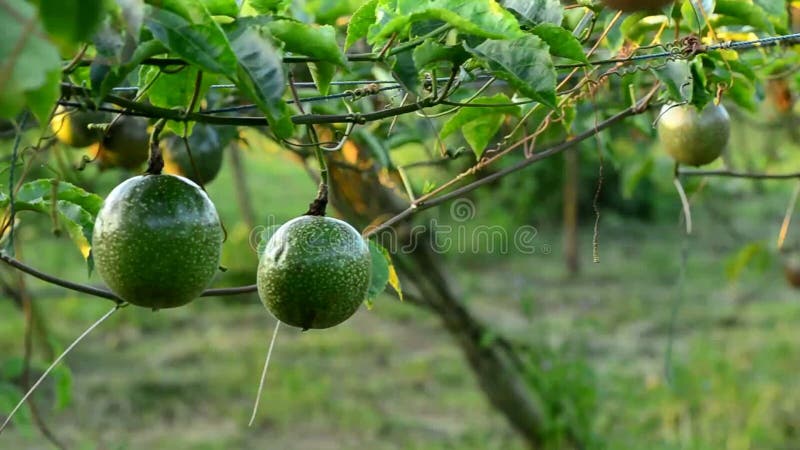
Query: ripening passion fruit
{"x": 636, "y": 5}
{"x": 157, "y": 241}
{"x": 126, "y": 144}
{"x": 206, "y": 159}
{"x": 694, "y": 137}
{"x": 71, "y": 127}
{"x": 314, "y": 272}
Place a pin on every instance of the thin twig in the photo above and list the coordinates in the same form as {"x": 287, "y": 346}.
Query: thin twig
{"x": 104, "y": 293}
{"x": 146, "y": 110}
{"x": 554, "y": 150}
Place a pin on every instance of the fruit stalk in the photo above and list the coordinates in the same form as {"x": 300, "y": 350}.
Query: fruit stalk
{"x": 155, "y": 163}
{"x": 319, "y": 205}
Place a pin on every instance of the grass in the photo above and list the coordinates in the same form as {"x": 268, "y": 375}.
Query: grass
{"x": 391, "y": 378}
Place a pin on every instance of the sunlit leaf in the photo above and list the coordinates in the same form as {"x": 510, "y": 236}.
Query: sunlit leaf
{"x": 75, "y": 208}
{"x": 255, "y": 7}
{"x": 315, "y": 41}
{"x": 484, "y": 18}
{"x": 221, "y": 7}
{"x": 172, "y": 90}
{"x": 359, "y": 23}
{"x": 561, "y": 42}
{"x": 322, "y": 73}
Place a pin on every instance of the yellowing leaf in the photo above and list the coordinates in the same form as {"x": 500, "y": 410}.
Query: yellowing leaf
{"x": 394, "y": 281}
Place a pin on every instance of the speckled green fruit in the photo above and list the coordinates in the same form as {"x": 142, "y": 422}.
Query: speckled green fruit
{"x": 637, "y": 5}
{"x": 157, "y": 241}
{"x": 126, "y": 144}
{"x": 207, "y": 150}
{"x": 314, "y": 272}
{"x": 71, "y": 126}
{"x": 694, "y": 137}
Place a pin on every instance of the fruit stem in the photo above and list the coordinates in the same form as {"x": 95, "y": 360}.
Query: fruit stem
{"x": 318, "y": 206}
{"x": 155, "y": 163}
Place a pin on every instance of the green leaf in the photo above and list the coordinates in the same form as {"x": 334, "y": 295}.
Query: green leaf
{"x": 172, "y": 90}
{"x": 745, "y": 12}
{"x": 561, "y": 42}
{"x": 314, "y": 41}
{"x": 742, "y": 69}
{"x": 483, "y": 18}
{"x": 524, "y": 62}
{"x": 385, "y": 12}
{"x": 751, "y": 255}
{"x": 70, "y": 22}
{"x": 62, "y": 380}
{"x": 700, "y": 95}
{"x": 777, "y": 14}
{"x": 260, "y": 76}
{"x": 12, "y": 367}
{"x": 322, "y": 74}
{"x": 537, "y": 11}
{"x": 676, "y": 76}
{"x": 221, "y": 7}
{"x": 75, "y": 208}
{"x": 405, "y": 71}
{"x": 41, "y": 101}
{"x": 696, "y": 12}
{"x": 10, "y": 395}
{"x": 430, "y": 53}
{"x": 380, "y": 270}
{"x": 187, "y": 28}
{"x": 256, "y": 7}
{"x": 743, "y": 92}
{"x": 42, "y": 189}
{"x": 428, "y": 187}
{"x": 105, "y": 77}
{"x": 635, "y": 28}
{"x": 480, "y": 124}
{"x": 359, "y": 23}
{"x": 27, "y": 60}
{"x": 376, "y": 146}
{"x": 641, "y": 170}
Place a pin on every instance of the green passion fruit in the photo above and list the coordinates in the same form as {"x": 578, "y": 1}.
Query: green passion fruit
{"x": 636, "y": 5}
{"x": 694, "y": 137}
{"x": 314, "y": 272}
{"x": 71, "y": 127}
{"x": 157, "y": 241}
{"x": 126, "y": 144}
{"x": 207, "y": 150}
